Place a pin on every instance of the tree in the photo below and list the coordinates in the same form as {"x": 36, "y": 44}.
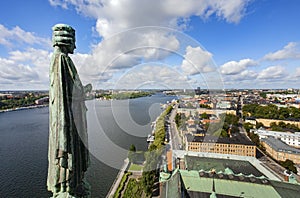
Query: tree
{"x": 259, "y": 124}
{"x": 234, "y": 129}
{"x": 249, "y": 109}
{"x": 255, "y": 138}
{"x": 149, "y": 171}
{"x": 132, "y": 153}
{"x": 283, "y": 113}
{"x": 281, "y": 126}
{"x": 204, "y": 115}
{"x": 248, "y": 126}
{"x": 148, "y": 180}
{"x": 180, "y": 120}
{"x": 132, "y": 148}
{"x": 232, "y": 119}
{"x": 221, "y": 133}
{"x": 263, "y": 95}
{"x": 289, "y": 164}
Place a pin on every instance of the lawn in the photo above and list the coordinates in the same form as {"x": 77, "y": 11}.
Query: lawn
{"x": 135, "y": 167}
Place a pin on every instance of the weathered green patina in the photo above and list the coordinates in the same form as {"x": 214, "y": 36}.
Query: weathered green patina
{"x": 68, "y": 154}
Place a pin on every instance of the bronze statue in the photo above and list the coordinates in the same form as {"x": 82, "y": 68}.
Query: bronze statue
{"x": 68, "y": 154}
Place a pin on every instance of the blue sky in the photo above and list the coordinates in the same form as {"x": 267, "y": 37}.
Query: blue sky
{"x": 158, "y": 44}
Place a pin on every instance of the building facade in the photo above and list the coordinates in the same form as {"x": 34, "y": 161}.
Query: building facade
{"x": 280, "y": 151}
{"x": 233, "y": 146}
{"x": 292, "y": 139}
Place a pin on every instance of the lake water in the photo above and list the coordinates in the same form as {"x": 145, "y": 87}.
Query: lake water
{"x": 112, "y": 126}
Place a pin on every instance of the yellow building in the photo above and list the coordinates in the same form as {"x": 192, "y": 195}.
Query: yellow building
{"x": 237, "y": 145}
{"x": 280, "y": 151}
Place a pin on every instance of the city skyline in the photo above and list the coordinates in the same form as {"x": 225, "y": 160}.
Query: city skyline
{"x": 155, "y": 44}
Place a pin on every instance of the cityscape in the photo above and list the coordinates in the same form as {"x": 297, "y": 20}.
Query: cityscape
{"x": 140, "y": 99}
{"x": 253, "y": 134}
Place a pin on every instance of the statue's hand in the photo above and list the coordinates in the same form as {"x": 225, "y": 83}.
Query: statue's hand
{"x": 88, "y": 88}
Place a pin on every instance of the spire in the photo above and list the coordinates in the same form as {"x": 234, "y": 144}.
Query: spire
{"x": 213, "y": 194}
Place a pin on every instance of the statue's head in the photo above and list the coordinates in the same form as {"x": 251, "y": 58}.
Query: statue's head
{"x": 64, "y": 37}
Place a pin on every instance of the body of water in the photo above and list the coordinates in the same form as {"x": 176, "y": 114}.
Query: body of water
{"x": 112, "y": 126}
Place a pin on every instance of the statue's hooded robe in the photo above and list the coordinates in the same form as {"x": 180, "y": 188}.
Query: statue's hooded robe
{"x": 68, "y": 154}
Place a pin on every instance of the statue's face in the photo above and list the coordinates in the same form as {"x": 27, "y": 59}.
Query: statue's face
{"x": 71, "y": 48}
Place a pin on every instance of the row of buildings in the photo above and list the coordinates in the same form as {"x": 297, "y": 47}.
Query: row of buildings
{"x": 197, "y": 174}
{"x": 196, "y": 139}
{"x": 280, "y": 145}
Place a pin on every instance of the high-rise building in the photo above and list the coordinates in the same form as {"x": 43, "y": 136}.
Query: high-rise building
{"x": 198, "y": 91}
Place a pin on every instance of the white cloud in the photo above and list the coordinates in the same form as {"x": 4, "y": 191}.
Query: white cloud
{"x": 272, "y": 72}
{"x": 234, "y": 67}
{"x": 153, "y": 75}
{"x": 16, "y": 35}
{"x": 118, "y": 51}
{"x": 126, "y": 50}
{"x": 246, "y": 75}
{"x": 121, "y": 50}
{"x": 115, "y": 16}
{"x": 196, "y": 61}
{"x": 60, "y": 3}
{"x": 12, "y": 71}
{"x": 26, "y": 69}
{"x": 290, "y": 51}
{"x": 297, "y": 73}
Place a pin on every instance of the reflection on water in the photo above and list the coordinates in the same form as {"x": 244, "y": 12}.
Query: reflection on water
{"x": 112, "y": 126}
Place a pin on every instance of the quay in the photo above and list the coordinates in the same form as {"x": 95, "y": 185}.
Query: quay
{"x": 23, "y": 108}
{"x": 118, "y": 179}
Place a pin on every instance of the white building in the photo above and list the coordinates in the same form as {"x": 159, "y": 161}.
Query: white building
{"x": 292, "y": 139}
{"x": 250, "y": 120}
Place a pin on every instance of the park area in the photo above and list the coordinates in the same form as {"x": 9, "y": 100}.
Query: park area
{"x": 131, "y": 185}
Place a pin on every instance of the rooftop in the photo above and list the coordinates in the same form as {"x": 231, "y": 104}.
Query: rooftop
{"x": 280, "y": 146}
{"x": 224, "y": 184}
{"x": 196, "y": 184}
{"x": 206, "y": 163}
{"x": 235, "y": 139}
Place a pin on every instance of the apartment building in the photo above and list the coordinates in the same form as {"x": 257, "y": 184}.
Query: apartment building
{"x": 280, "y": 151}
{"x": 237, "y": 145}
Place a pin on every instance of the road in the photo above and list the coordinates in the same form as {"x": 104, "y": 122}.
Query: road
{"x": 175, "y": 140}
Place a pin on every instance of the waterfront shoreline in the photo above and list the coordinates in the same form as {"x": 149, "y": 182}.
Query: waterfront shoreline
{"x": 118, "y": 178}
{"x": 23, "y": 108}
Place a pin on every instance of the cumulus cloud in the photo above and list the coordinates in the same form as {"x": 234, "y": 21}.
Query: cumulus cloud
{"x": 28, "y": 66}
{"x": 12, "y": 71}
{"x": 246, "y": 75}
{"x": 26, "y": 69}
{"x": 60, "y": 3}
{"x": 290, "y": 51}
{"x": 153, "y": 74}
{"x": 11, "y": 37}
{"x": 272, "y": 72}
{"x": 196, "y": 61}
{"x": 114, "y": 16}
{"x": 126, "y": 50}
{"x": 234, "y": 67}
{"x": 119, "y": 50}
{"x": 125, "y": 44}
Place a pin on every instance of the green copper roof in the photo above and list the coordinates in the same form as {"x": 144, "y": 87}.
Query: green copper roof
{"x": 244, "y": 189}
{"x": 164, "y": 176}
{"x": 235, "y": 166}
{"x": 213, "y": 195}
{"x": 228, "y": 171}
{"x": 193, "y": 182}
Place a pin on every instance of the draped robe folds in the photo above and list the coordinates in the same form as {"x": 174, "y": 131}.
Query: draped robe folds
{"x": 68, "y": 155}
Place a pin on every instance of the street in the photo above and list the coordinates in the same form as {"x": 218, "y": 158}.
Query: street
{"x": 175, "y": 140}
